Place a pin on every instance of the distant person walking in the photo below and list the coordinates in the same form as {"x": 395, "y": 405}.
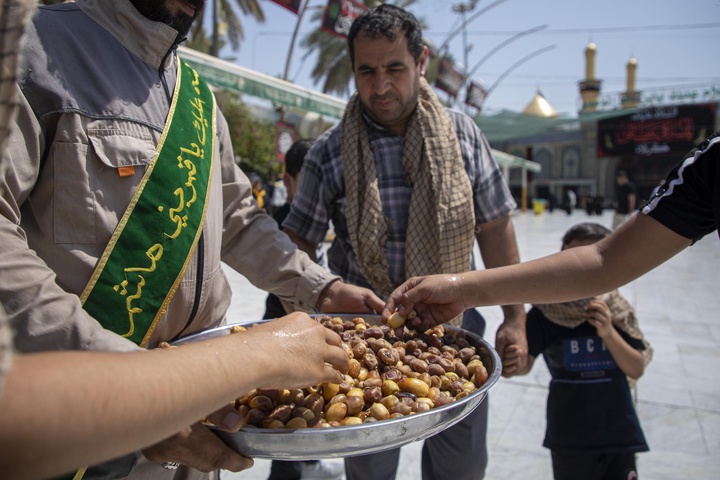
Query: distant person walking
{"x": 589, "y": 204}
{"x": 552, "y": 202}
{"x": 570, "y": 201}
{"x": 258, "y": 189}
{"x": 599, "y": 205}
{"x": 626, "y": 199}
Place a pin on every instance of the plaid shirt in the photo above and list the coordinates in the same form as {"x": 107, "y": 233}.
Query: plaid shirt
{"x": 320, "y": 197}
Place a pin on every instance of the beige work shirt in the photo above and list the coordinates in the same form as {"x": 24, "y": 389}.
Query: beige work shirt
{"x": 94, "y": 83}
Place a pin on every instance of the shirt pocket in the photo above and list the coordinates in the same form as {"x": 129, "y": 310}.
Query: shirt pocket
{"x": 94, "y": 182}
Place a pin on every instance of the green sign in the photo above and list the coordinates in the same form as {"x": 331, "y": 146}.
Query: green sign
{"x": 277, "y": 91}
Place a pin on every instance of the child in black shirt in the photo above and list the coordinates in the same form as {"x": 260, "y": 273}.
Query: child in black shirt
{"x": 591, "y": 347}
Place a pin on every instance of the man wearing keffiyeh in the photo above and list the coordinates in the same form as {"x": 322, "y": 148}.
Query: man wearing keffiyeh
{"x": 408, "y": 186}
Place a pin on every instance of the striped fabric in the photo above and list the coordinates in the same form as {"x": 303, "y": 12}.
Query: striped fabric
{"x": 689, "y": 203}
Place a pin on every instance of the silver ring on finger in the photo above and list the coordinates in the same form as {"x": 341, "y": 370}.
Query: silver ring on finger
{"x": 170, "y": 465}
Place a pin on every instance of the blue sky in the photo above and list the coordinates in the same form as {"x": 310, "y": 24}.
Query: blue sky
{"x": 675, "y": 43}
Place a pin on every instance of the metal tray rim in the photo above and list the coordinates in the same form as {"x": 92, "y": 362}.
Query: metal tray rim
{"x": 242, "y": 439}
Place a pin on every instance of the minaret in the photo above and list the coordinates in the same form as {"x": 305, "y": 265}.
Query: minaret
{"x": 631, "y": 97}
{"x": 590, "y": 87}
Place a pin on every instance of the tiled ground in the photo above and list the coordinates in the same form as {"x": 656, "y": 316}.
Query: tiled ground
{"x": 678, "y": 397}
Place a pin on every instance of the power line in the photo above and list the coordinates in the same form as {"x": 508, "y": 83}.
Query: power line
{"x": 548, "y": 31}
{"x": 574, "y": 31}
{"x": 515, "y": 65}
{"x": 711, "y": 78}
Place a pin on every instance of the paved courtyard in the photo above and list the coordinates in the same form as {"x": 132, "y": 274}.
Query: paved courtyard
{"x": 678, "y": 398}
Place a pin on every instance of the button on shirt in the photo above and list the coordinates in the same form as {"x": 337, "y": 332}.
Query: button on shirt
{"x": 320, "y": 198}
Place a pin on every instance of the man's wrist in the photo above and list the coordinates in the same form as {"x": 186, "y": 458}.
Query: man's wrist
{"x": 514, "y": 314}
{"x": 326, "y": 292}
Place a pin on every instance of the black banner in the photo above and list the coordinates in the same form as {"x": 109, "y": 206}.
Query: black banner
{"x": 449, "y": 79}
{"x": 656, "y": 130}
{"x": 475, "y": 95}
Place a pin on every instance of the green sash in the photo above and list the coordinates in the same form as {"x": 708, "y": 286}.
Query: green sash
{"x": 140, "y": 269}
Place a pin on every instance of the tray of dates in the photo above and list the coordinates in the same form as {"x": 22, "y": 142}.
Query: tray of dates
{"x": 398, "y": 391}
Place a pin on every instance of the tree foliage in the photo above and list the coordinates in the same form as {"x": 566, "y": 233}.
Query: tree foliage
{"x": 253, "y": 141}
{"x": 225, "y": 25}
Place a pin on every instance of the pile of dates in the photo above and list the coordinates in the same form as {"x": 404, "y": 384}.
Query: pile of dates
{"x": 389, "y": 377}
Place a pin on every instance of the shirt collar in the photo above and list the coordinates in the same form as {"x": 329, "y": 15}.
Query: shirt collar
{"x": 148, "y": 40}
{"x": 376, "y": 126}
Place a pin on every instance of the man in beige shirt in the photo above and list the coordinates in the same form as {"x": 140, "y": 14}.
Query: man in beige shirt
{"x": 96, "y": 84}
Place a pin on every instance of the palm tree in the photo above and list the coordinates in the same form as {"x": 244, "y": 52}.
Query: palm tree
{"x": 333, "y": 67}
{"x": 225, "y": 24}
{"x": 333, "y": 63}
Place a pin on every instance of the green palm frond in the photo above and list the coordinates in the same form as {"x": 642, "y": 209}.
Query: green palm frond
{"x": 332, "y": 68}
{"x": 232, "y": 31}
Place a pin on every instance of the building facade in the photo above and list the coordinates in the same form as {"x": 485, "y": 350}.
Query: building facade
{"x": 643, "y": 133}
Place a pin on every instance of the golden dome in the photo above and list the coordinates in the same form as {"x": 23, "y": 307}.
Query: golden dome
{"x": 540, "y": 107}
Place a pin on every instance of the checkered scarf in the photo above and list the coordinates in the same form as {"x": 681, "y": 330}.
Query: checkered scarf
{"x": 441, "y": 220}
{"x": 572, "y": 314}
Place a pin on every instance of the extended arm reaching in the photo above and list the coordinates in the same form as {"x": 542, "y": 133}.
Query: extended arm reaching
{"x": 637, "y": 247}
{"x": 140, "y": 398}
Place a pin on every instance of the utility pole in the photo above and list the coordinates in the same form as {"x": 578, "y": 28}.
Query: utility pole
{"x": 452, "y": 35}
{"x": 462, "y": 9}
{"x": 432, "y": 69}
{"x": 292, "y": 40}
{"x": 288, "y": 60}
{"x": 215, "y": 42}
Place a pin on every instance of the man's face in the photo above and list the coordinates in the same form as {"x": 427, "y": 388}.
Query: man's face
{"x": 387, "y": 79}
{"x": 179, "y": 14}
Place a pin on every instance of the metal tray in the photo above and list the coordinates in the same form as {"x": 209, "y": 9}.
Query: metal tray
{"x": 345, "y": 441}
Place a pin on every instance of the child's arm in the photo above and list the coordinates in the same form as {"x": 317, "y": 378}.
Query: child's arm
{"x": 512, "y": 357}
{"x": 629, "y": 360}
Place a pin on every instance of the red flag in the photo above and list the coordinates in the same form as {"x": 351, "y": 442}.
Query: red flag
{"x": 339, "y": 15}
{"x": 292, "y": 5}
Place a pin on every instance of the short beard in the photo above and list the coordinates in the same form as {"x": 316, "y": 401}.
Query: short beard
{"x": 156, "y": 11}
